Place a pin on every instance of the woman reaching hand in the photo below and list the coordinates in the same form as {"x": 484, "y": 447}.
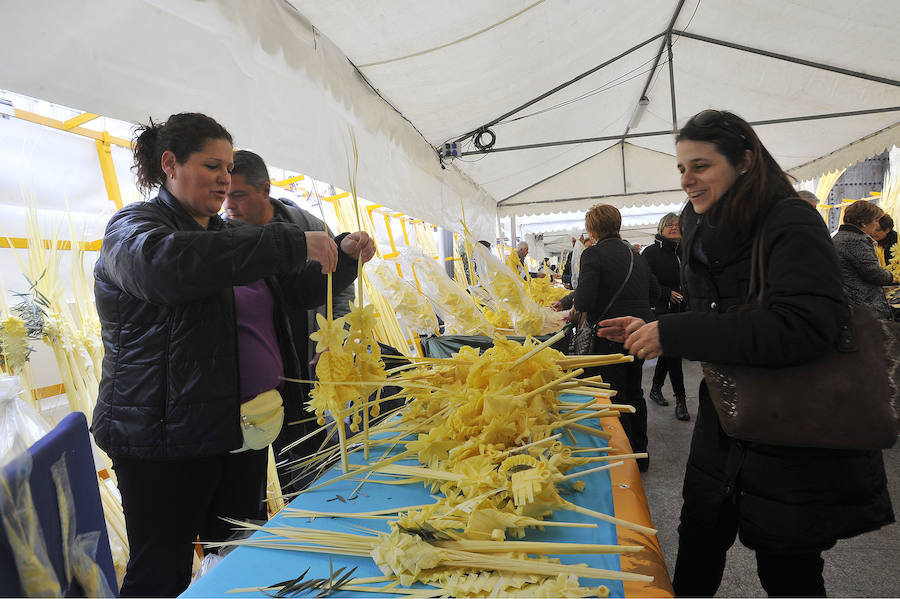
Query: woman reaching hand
{"x": 789, "y": 504}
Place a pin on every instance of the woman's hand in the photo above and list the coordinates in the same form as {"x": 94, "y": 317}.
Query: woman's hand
{"x": 643, "y": 342}
{"x": 358, "y": 246}
{"x": 618, "y": 329}
{"x": 675, "y": 297}
{"x": 557, "y": 305}
{"x": 322, "y": 248}
{"x": 572, "y": 316}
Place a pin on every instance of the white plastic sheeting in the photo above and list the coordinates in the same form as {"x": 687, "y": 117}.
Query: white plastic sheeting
{"x": 280, "y": 80}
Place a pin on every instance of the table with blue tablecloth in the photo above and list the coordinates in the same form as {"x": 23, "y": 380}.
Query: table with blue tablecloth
{"x": 617, "y": 491}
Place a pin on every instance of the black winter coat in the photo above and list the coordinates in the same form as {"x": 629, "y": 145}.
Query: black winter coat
{"x": 170, "y": 387}
{"x": 604, "y": 267}
{"x": 665, "y": 262}
{"x": 789, "y": 499}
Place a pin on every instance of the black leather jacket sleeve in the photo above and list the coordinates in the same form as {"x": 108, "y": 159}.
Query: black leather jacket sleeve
{"x": 147, "y": 257}
{"x": 308, "y": 289}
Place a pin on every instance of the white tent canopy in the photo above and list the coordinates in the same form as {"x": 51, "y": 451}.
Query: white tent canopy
{"x": 455, "y": 68}
{"x": 276, "y": 72}
{"x": 258, "y": 67}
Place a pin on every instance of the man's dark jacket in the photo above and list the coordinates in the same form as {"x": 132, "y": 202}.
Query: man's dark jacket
{"x": 664, "y": 260}
{"x": 789, "y": 499}
{"x": 170, "y": 387}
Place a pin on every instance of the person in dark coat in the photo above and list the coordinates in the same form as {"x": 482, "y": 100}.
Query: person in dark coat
{"x": 193, "y": 325}
{"x": 861, "y": 272}
{"x": 604, "y": 268}
{"x": 663, "y": 258}
{"x": 788, "y": 504}
{"x": 886, "y": 237}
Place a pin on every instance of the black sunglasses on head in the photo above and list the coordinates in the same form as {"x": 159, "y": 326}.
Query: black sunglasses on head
{"x": 715, "y": 118}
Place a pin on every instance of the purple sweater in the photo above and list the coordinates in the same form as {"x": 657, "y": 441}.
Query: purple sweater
{"x": 258, "y": 354}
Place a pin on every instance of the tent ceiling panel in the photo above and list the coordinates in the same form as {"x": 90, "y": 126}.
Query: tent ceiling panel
{"x": 282, "y": 83}
{"x": 261, "y": 69}
{"x": 600, "y": 176}
{"x": 458, "y": 87}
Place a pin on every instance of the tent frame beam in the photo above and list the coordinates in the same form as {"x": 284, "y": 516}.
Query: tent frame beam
{"x": 559, "y": 87}
{"x": 568, "y": 142}
{"x": 785, "y": 57}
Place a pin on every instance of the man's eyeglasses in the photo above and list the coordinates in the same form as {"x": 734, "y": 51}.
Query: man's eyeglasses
{"x": 714, "y": 118}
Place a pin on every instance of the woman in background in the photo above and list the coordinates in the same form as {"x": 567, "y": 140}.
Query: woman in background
{"x": 886, "y": 237}
{"x": 861, "y": 272}
{"x": 664, "y": 260}
{"x": 614, "y": 280}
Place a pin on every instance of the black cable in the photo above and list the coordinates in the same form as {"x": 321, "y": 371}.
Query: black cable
{"x": 482, "y": 144}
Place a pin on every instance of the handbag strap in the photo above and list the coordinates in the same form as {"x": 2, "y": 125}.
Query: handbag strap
{"x": 621, "y": 287}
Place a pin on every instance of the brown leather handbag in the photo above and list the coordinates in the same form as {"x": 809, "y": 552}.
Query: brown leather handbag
{"x": 847, "y": 399}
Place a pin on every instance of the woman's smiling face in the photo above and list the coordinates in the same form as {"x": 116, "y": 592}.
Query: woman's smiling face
{"x": 705, "y": 173}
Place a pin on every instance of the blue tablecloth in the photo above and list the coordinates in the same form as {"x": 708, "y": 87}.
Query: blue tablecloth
{"x": 256, "y": 567}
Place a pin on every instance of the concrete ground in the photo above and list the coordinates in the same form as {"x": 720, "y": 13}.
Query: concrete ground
{"x": 865, "y": 566}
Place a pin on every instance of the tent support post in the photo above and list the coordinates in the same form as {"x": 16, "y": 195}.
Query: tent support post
{"x": 104, "y": 153}
{"x": 807, "y": 63}
{"x": 672, "y": 84}
{"x": 796, "y": 119}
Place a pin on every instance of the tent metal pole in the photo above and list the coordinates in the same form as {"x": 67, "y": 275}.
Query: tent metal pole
{"x": 672, "y": 84}
{"x": 624, "y": 178}
{"x": 568, "y": 142}
{"x": 662, "y": 48}
{"x": 559, "y": 87}
{"x": 801, "y": 61}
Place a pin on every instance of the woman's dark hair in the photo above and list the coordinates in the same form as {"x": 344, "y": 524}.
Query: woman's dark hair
{"x": 886, "y": 223}
{"x": 183, "y": 134}
{"x": 762, "y": 184}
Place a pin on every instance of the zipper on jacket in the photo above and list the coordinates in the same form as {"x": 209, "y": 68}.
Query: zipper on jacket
{"x": 164, "y": 421}
{"x": 237, "y": 357}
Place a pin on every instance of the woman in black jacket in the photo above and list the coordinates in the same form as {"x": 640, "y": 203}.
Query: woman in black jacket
{"x": 789, "y": 504}
{"x": 193, "y": 325}
{"x": 609, "y": 263}
{"x": 664, "y": 260}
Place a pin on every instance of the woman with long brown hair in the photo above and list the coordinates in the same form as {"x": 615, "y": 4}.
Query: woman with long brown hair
{"x": 789, "y": 504}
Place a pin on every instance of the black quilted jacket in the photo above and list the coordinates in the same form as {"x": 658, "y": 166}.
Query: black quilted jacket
{"x": 170, "y": 387}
